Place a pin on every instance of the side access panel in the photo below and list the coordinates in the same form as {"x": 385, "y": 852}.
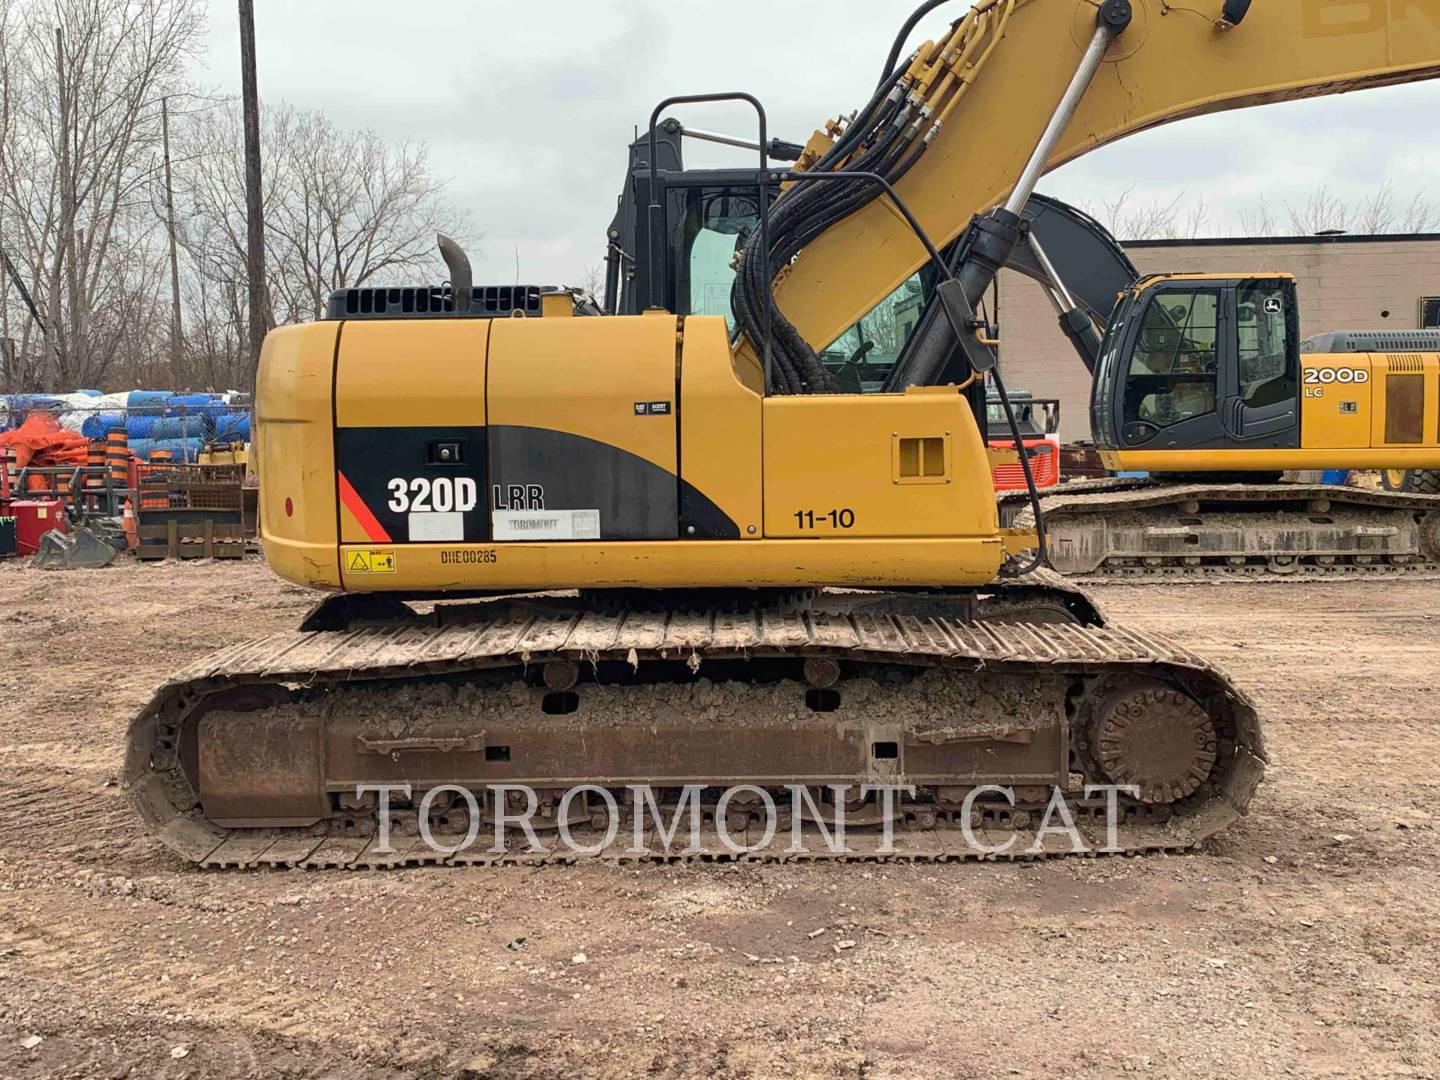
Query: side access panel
{"x": 582, "y": 429}
{"x": 1406, "y": 391}
{"x": 1336, "y": 411}
{"x": 720, "y": 443}
{"x": 410, "y": 451}
{"x": 850, "y": 465}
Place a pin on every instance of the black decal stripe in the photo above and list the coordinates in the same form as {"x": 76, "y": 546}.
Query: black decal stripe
{"x": 371, "y": 457}
{"x": 698, "y": 512}
{"x": 637, "y": 499}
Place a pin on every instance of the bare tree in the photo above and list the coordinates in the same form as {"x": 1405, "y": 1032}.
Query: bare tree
{"x": 1130, "y": 220}
{"x": 82, "y": 85}
{"x": 1323, "y": 211}
{"x": 342, "y": 208}
{"x": 83, "y": 203}
{"x": 1195, "y": 220}
{"x": 8, "y": 359}
{"x": 592, "y": 279}
{"x": 1377, "y": 213}
{"x": 1421, "y": 215}
{"x": 1258, "y": 219}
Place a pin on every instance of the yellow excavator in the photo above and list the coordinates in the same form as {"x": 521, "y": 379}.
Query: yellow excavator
{"x": 1203, "y": 396}
{"x": 587, "y": 568}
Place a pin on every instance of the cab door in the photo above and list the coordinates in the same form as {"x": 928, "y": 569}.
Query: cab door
{"x": 1171, "y": 390}
{"x": 1261, "y": 377}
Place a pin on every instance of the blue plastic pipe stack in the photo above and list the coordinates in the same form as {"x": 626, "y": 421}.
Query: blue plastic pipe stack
{"x": 152, "y": 419}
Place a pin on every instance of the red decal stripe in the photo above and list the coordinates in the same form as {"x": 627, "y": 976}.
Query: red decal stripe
{"x": 356, "y": 505}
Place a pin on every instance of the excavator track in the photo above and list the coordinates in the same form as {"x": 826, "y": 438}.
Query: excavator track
{"x": 250, "y": 757}
{"x": 1140, "y": 531}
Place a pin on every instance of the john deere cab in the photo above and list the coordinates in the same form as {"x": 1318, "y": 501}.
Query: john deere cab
{"x": 1200, "y": 363}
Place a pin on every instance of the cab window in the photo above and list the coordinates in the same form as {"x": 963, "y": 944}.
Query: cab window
{"x": 717, "y": 221}
{"x": 1173, "y": 368}
{"x": 862, "y": 356}
{"x": 1267, "y": 370}
{"x": 711, "y": 275}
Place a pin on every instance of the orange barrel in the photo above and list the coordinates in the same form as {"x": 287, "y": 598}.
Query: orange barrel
{"x": 95, "y": 464}
{"x": 94, "y": 474}
{"x": 161, "y": 461}
{"x": 143, "y": 479}
{"x": 117, "y": 457}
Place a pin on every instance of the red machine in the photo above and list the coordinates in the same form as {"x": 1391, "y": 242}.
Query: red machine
{"x": 33, "y": 519}
{"x": 1038, "y": 420}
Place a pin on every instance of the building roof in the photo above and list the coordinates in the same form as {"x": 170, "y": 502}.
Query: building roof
{"x": 1254, "y": 241}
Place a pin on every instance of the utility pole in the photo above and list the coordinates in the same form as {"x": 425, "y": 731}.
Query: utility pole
{"x": 255, "y": 210}
{"x": 64, "y": 242}
{"x": 175, "y": 340}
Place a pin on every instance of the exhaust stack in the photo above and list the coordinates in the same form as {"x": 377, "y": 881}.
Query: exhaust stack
{"x": 461, "y": 280}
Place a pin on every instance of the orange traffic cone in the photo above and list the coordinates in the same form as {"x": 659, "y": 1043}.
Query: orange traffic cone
{"x": 127, "y": 519}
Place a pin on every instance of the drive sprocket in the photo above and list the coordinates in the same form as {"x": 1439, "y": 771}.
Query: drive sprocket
{"x": 1157, "y": 739}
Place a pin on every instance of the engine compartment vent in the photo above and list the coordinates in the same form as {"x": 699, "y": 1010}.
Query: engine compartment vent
{"x": 1381, "y": 341}
{"x": 433, "y": 301}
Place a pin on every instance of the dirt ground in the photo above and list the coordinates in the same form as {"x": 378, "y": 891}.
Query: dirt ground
{"x": 1305, "y": 941}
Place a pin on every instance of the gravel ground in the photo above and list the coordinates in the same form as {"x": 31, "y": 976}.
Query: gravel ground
{"x": 1302, "y": 942}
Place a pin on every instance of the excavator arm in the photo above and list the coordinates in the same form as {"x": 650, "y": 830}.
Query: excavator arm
{"x": 1013, "y": 89}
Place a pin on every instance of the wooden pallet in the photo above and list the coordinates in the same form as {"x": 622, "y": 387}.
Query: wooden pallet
{"x": 205, "y": 539}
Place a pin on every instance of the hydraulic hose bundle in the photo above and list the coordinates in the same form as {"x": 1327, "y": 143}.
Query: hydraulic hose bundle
{"x": 886, "y": 137}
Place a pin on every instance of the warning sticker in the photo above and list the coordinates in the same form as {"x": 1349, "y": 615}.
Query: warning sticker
{"x": 370, "y": 562}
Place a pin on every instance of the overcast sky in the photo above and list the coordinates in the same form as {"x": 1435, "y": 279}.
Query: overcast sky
{"x": 527, "y": 106}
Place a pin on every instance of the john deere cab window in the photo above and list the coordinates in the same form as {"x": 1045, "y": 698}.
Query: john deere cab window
{"x": 862, "y": 356}
{"x": 1174, "y": 368}
{"x": 1266, "y": 361}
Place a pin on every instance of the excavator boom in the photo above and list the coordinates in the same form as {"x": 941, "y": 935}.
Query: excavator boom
{"x": 985, "y": 93}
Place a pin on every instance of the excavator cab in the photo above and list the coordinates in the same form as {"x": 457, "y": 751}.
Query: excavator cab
{"x": 709, "y": 215}
{"x": 1194, "y": 362}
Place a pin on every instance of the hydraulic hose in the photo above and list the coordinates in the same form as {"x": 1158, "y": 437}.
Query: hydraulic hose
{"x": 900, "y": 39}
{"x": 885, "y": 139}
{"x": 1042, "y": 555}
